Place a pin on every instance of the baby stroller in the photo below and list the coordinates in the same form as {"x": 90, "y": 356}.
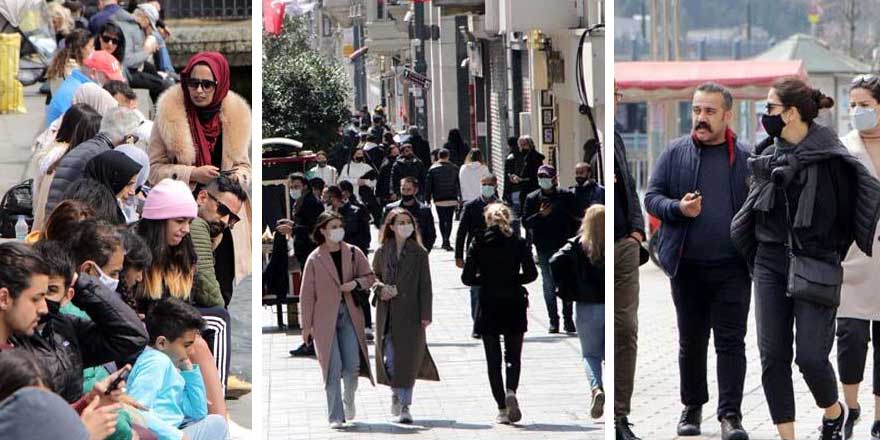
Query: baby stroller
{"x": 30, "y": 19}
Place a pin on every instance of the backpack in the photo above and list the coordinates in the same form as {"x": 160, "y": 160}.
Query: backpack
{"x": 19, "y": 200}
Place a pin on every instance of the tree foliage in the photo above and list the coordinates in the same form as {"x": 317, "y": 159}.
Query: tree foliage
{"x": 304, "y": 93}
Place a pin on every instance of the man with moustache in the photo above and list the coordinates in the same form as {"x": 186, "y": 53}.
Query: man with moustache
{"x": 697, "y": 186}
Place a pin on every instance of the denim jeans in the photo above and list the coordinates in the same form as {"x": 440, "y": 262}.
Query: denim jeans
{"x": 404, "y": 395}
{"x": 212, "y": 427}
{"x": 344, "y": 364}
{"x": 591, "y": 331}
{"x": 550, "y": 291}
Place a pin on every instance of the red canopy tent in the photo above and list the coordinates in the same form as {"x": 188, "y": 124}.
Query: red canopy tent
{"x": 676, "y": 80}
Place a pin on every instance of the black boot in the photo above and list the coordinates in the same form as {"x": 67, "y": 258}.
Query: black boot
{"x": 303, "y": 350}
{"x": 854, "y": 414}
{"x": 622, "y": 431}
{"x": 732, "y": 429}
{"x": 689, "y": 424}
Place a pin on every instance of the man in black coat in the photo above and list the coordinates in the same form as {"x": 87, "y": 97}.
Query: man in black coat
{"x": 408, "y": 165}
{"x": 383, "y": 184}
{"x": 551, "y": 216}
{"x": 420, "y": 211}
{"x": 521, "y": 173}
{"x": 306, "y": 209}
{"x": 443, "y": 188}
{"x": 473, "y": 225}
{"x": 588, "y": 192}
{"x": 420, "y": 146}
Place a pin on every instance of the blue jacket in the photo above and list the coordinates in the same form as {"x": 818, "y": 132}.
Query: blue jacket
{"x": 174, "y": 397}
{"x": 675, "y": 174}
{"x": 62, "y": 99}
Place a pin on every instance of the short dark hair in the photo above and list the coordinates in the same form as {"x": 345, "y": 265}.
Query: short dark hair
{"x": 18, "y": 263}
{"x": 713, "y": 87}
{"x": 225, "y": 184}
{"x": 301, "y": 177}
{"x": 73, "y": 5}
{"x": 115, "y": 87}
{"x": 346, "y": 186}
{"x": 137, "y": 254}
{"x": 18, "y": 369}
{"x": 317, "y": 184}
{"x": 57, "y": 259}
{"x": 171, "y": 318}
{"x": 94, "y": 240}
{"x": 334, "y": 191}
{"x": 443, "y": 153}
{"x": 323, "y": 219}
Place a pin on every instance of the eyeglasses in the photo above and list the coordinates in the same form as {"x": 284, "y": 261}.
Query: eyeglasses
{"x": 107, "y": 40}
{"x": 769, "y": 107}
{"x": 206, "y": 84}
{"x": 224, "y": 211}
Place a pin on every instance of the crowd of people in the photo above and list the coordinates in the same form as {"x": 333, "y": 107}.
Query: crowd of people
{"x": 395, "y": 182}
{"x": 793, "y": 218}
{"x": 115, "y": 320}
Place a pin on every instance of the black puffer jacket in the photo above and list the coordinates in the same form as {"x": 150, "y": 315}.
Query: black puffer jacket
{"x": 442, "y": 183}
{"x": 68, "y": 344}
{"x": 71, "y": 167}
{"x": 576, "y": 278}
{"x": 501, "y": 266}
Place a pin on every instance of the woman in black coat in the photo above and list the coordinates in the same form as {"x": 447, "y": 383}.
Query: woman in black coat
{"x": 501, "y": 263}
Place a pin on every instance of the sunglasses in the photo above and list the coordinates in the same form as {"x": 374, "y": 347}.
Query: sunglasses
{"x": 206, "y": 84}
{"x": 224, "y": 211}
{"x": 868, "y": 78}
{"x": 107, "y": 40}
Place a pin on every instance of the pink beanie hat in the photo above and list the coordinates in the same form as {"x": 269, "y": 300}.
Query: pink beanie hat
{"x": 170, "y": 199}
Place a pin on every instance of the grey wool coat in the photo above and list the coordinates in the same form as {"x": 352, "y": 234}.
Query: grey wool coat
{"x": 404, "y": 314}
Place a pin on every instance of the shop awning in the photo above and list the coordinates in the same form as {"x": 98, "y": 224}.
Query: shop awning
{"x": 747, "y": 79}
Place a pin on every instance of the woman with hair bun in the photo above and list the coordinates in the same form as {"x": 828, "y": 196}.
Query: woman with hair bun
{"x": 809, "y": 200}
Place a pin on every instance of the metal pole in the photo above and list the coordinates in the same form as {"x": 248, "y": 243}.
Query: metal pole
{"x": 654, "y": 36}
{"x": 677, "y": 42}
{"x": 421, "y": 66}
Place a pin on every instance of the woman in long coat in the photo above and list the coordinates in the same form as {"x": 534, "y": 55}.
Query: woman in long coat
{"x": 333, "y": 273}
{"x": 201, "y": 131}
{"x": 403, "y": 311}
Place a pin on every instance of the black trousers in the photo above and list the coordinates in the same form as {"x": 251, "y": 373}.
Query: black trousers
{"x": 444, "y": 215}
{"x": 853, "y": 336}
{"x": 513, "y": 343}
{"x": 776, "y": 316}
{"x": 147, "y": 79}
{"x": 712, "y": 298}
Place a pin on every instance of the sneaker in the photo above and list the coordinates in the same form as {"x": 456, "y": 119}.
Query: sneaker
{"x": 597, "y": 406}
{"x": 622, "y": 430}
{"x": 689, "y": 423}
{"x": 303, "y": 350}
{"x": 875, "y": 430}
{"x": 513, "y": 412}
{"x": 476, "y": 335}
{"x": 348, "y": 406}
{"x": 447, "y": 247}
{"x": 337, "y": 425}
{"x": 554, "y": 329}
{"x": 405, "y": 416}
{"x": 502, "y": 418}
{"x": 236, "y": 387}
{"x": 833, "y": 429}
{"x": 395, "y": 405}
{"x": 569, "y": 327}
{"x": 854, "y": 414}
{"x": 732, "y": 429}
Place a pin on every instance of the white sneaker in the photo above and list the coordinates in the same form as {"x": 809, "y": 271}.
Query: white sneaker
{"x": 337, "y": 425}
{"x": 395, "y": 405}
{"x": 405, "y": 416}
{"x": 502, "y": 418}
{"x": 348, "y": 406}
{"x": 238, "y": 432}
{"x": 513, "y": 412}
{"x": 597, "y": 406}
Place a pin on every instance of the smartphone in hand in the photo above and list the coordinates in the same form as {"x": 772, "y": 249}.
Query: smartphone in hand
{"x": 115, "y": 384}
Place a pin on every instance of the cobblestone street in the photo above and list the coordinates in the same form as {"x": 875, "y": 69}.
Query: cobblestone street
{"x": 553, "y": 391}
{"x": 656, "y": 405}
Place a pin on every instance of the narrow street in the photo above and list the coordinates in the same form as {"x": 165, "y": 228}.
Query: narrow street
{"x": 553, "y": 393}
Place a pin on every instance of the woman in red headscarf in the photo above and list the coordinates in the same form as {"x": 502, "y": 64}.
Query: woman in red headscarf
{"x": 202, "y": 129}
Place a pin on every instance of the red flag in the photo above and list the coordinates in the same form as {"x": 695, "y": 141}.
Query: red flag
{"x": 273, "y": 16}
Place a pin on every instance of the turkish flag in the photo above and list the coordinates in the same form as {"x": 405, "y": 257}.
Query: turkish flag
{"x": 273, "y": 16}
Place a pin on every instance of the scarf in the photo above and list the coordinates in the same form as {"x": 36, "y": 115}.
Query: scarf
{"x": 113, "y": 169}
{"x": 204, "y": 122}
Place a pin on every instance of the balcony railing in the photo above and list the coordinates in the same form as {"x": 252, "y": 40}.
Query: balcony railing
{"x": 209, "y": 9}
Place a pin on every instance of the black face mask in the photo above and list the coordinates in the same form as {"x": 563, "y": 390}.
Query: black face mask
{"x": 408, "y": 198}
{"x": 54, "y": 311}
{"x": 580, "y": 180}
{"x": 773, "y": 124}
{"x": 359, "y": 159}
{"x": 216, "y": 228}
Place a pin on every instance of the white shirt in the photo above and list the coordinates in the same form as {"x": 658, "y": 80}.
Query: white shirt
{"x": 325, "y": 173}
{"x": 353, "y": 171}
{"x": 469, "y": 177}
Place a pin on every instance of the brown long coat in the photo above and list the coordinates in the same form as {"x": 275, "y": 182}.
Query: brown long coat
{"x": 320, "y": 296}
{"x": 405, "y": 313}
{"x": 172, "y": 155}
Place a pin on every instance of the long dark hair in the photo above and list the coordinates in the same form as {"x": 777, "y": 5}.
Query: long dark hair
{"x": 98, "y": 196}
{"x": 74, "y": 43}
{"x": 173, "y": 266}
{"x": 795, "y": 93}
{"x": 19, "y": 369}
{"x": 113, "y": 28}
{"x": 455, "y": 137}
{"x": 85, "y": 121}
{"x": 871, "y": 83}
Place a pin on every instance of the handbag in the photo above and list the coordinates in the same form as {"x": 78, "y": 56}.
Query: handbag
{"x": 811, "y": 279}
{"x": 360, "y": 295}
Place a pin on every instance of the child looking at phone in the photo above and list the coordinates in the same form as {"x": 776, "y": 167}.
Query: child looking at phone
{"x": 164, "y": 380}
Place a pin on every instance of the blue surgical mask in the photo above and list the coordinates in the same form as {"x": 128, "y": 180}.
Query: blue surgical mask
{"x": 545, "y": 183}
{"x": 106, "y": 281}
{"x": 488, "y": 191}
{"x": 863, "y": 118}
{"x": 295, "y": 194}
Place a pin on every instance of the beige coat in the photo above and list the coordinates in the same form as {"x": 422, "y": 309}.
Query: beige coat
{"x": 404, "y": 313}
{"x": 172, "y": 155}
{"x": 319, "y": 301}
{"x": 860, "y": 295}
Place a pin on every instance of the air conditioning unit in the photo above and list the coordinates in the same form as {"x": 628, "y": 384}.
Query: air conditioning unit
{"x": 525, "y": 15}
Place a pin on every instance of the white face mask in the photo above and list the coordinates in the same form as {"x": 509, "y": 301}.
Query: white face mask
{"x": 863, "y": 118}
{"x": 336, "y": 235}
{"x": 403, "y": 231}
{"x": 106, "y": 281}
{"x": 295, "y": 194}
